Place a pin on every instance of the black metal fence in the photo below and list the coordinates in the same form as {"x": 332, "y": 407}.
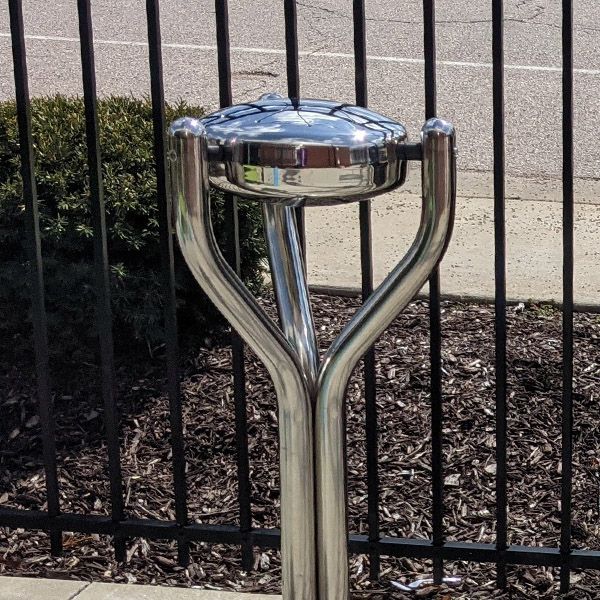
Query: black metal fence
{"x": 118, "y": 524}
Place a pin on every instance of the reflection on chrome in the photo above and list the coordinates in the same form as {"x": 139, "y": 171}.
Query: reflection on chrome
{"x": 298, "y": 182}
{"x": 291, "y": 153}
{"x": 304, "y": 151}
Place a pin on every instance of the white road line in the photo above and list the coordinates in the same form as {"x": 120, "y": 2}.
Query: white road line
{"x": 307, "y": 54}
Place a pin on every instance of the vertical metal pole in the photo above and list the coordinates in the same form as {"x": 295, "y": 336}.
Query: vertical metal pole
{"x": 237, "y": 345}
{"x": 168, "y": 271}
{"x": 101, "y": 267}
{"x": 366, "y": 260}
{"x": 500, "y": 292}
{"x": 189, "y": 187}
{"x": 435, "y": 317}
{"x": 291, "y": 289}
{"x": 290, "y": 13}
{"x": 36, "y": 270}
{"x": 568, "y": 263}
{"x": 381, "y": 308}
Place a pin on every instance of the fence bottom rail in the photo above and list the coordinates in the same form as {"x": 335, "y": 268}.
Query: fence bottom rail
{"x": 269, "y": 538}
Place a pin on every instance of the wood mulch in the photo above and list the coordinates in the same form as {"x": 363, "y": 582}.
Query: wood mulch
{"x": 534, "y": 451}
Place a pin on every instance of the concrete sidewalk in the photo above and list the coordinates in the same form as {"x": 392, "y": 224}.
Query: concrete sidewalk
{"x": 533, "y": 230}
{"x": 23, "y": 588}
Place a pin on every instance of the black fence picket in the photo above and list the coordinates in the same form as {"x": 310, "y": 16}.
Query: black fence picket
{"x": 38, "y": 303}
{"x": 568, "y": 265}
{"x": 234, "y": 258}
{"x": 101, "y": 268}
{"x": 168, "y": 272}
{"x": 500, "y": 292}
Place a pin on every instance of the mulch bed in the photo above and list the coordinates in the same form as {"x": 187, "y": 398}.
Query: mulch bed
{"x": 534, "y": 367}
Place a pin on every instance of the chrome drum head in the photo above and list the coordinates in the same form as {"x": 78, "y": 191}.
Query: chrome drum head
{"x": 304, "y": 152}
{"x": 288, "y": 153}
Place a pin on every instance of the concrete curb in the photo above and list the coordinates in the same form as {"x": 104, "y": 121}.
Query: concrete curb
{"x": 26, "y": 588}
{"x": 354, "y": 292}
{"x": 533, "y": 245}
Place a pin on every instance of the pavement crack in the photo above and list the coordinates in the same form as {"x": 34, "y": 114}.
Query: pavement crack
{"x": 264, "y": 70}
{"x": 452, "y": 21}
{"x": 251, "y": 92}
{"x": 516, "y": 20}
{"x": 316, "y": 15}
{"x": 78, "y": 592}
{"x": 538, "y": 10}
{"x": 322, "y": 48}
{"x": 329, "y": 11}
{"x": 255, "y": 73}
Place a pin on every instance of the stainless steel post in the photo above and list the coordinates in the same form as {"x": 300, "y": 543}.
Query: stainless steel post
{"x": 386, "y": 303}
{"x": 289, "y": 284}
{"x": 287, "y": 153}
{"x": 189, "y": 190}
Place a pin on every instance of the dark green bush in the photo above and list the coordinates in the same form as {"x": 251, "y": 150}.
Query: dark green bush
{"x": 126, "y": 142}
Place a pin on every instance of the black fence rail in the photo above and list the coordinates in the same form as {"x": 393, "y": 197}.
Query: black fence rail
{"x": 118, "y": 525}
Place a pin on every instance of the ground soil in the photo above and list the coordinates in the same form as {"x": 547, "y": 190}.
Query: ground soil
{"x": 403, "y": 402}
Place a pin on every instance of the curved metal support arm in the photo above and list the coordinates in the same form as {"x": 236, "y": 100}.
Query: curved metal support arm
{"x": 390, "y": 298}
{"x": 190, "y": 195}
{"x": 291, "y": 289}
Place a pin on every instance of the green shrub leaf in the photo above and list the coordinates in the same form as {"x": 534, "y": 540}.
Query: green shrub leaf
{"x": 129, "y": 178}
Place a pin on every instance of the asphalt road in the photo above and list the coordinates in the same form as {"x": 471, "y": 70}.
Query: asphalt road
{"x": 395, "y": 67}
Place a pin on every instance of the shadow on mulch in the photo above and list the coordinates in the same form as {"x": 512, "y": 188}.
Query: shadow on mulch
{"x": 534, "y": 423}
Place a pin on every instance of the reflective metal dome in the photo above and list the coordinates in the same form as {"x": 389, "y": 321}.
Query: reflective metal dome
{"x": 304, "y": 152}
